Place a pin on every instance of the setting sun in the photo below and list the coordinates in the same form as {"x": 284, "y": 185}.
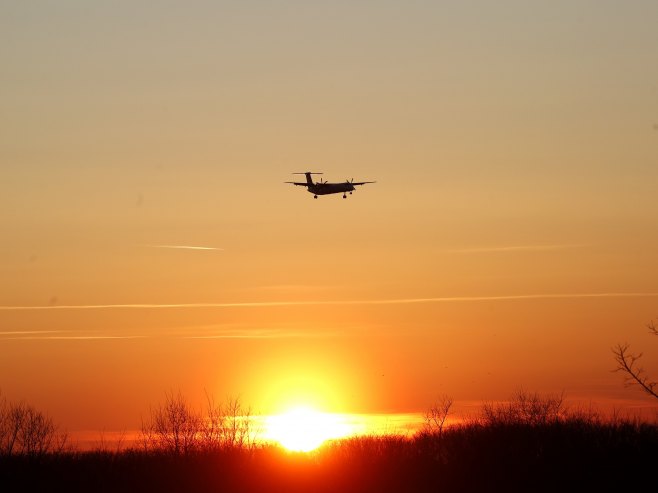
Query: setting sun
{"x": 302, "y": 429}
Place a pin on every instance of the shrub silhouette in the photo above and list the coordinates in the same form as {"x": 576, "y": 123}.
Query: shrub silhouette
{"x": 524, "y": 408}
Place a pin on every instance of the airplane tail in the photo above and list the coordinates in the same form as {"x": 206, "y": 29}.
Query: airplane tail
{"x": 308, "y": 174}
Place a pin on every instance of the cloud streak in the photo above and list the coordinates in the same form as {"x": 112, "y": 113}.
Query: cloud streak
{"x": 263, "y": 334}
{"x": 517, "y": 248}
{"x": 39, "y": 337}
{"x": 254, "y": 333}
{"x": 391, "y": 301}
{"x": 186, "y": 247}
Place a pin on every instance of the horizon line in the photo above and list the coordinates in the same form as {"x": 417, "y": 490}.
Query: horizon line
{"x": 392, "y": 301}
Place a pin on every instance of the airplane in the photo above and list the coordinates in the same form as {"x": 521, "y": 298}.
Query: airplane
{"x": 326, "y": 188}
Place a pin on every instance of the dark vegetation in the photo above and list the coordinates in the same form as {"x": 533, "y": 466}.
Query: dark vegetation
{"x": 532, "y": 443}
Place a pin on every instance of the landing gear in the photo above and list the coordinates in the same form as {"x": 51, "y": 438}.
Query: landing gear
{"x": 315, "y": 196}
{"x": 344, "y": 196}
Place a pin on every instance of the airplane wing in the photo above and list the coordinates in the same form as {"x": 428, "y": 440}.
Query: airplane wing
{"x": 361, "y": 182}
{"x": 303, "y": 184}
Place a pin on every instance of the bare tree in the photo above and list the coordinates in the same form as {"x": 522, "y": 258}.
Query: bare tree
{"x": 525, "y": 409}
{"x": 238, "y": 430}
{"x": 227, "y": 426}
{"x": 37, "y": 433}
{"x": 215, "y": 421}
{"x": 436, "y": 415}
{"x": 172, "y": 426}
{"x": 627, "y": 363}
{"x": 24, "y": 430}
{"x": 176, "y": 428}
{"x": 7, "y": 433}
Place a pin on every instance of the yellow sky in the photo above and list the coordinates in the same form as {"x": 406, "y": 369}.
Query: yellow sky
{"x": 514, "y": 145}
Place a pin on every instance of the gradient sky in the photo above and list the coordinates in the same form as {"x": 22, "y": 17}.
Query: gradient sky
{"x": 510, "y": 240}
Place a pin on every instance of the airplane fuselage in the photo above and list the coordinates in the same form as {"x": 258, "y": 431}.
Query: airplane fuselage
{"x": 329, "y": 188}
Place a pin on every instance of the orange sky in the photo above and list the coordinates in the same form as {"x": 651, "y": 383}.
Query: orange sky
{"x": 509, "y": 240}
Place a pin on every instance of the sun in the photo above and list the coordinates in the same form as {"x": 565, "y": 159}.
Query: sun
{"x": 303, "y": 429}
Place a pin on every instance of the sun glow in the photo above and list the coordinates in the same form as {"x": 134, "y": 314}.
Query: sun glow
{"x": 303, "y": 429}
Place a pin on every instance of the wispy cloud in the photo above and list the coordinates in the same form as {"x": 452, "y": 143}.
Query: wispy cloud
{"x": 93, "y": 338}
{"x": 517, "y": 248}
{"x": 262, "y": 334}
{"x": 37, "y": 336}
{"x": 194, "y": 333}
{"x": 297, "y": 287}
{"x": 28, "y": 332}
{"x": 391, "y": 301}
{"x": 186, "y": 247}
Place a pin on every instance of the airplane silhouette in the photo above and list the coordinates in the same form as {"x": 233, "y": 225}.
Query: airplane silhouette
{"x": 326, "y": 188}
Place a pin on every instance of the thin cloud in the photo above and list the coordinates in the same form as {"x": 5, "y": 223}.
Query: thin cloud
{"x": 517, "y": 248}
{"x": 28, "y": 332}
{"x": 70, "y": 338}
{"x": 290, "y": 287}
{"x": 95, "y": 338}
{"x": 186, "y": 247}
{"x": 392, "y": 301}
{"x": 56, "y": 335}
{"x": 261, "y": 334}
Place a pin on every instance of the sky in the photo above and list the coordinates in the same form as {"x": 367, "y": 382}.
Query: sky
{"x": 149, "y": 241}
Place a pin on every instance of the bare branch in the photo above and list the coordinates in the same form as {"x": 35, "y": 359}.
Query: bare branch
{"x": 627, "y": 363}
{"x": 436, "y": 415}
{"x": 652, "y": 328}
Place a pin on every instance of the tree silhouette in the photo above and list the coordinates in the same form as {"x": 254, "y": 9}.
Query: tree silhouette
{"x": 436, "y": 415}
{"x": 172, "y": 426}
{"x": 525, "y": 408}
{"x": 27, "y": 431}
{"x": 176, "y": 428}
{"x": 628, "y": 363}
{"x": 228, "y": 425}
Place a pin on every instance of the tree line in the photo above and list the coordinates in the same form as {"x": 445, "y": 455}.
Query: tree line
{"x": 175, "y": 427}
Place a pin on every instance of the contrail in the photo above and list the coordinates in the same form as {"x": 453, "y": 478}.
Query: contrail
{"x": 516, "y": 248}
{"x": 28, "y": 332}
{"x": 256, "y": 334}
{"x": 185, "y": 247}
{"x": 68, "y": 338}
{"x": 232, "y": 334}
{"x": 393, "y": 301}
